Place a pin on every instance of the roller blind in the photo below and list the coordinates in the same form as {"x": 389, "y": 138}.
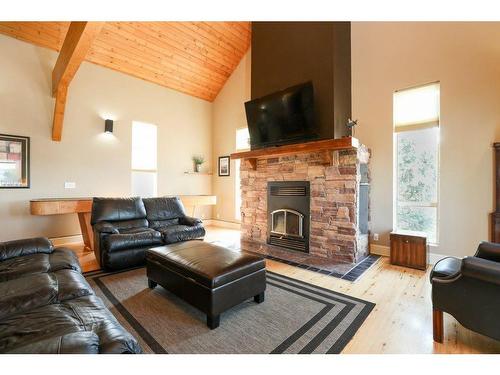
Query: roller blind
{"x": 416, "y": 108}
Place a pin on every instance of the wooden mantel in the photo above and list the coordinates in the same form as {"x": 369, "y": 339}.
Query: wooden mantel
{"x": 346, "y": 143}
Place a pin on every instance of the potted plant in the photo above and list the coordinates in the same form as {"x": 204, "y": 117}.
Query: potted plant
{"x": 198, "y": 161}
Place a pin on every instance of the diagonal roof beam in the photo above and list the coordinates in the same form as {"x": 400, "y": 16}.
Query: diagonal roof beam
{"x": 73, "y": 51}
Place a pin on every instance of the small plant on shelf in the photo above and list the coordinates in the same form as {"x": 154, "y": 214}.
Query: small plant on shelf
{"x": 198, "y": 161}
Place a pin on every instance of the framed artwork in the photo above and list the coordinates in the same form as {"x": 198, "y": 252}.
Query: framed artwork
{"x": 224, "y": 166}
{"x": 14, "y": 162}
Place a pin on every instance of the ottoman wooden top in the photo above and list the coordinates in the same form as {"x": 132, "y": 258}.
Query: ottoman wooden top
{"x": 206, "y": 263}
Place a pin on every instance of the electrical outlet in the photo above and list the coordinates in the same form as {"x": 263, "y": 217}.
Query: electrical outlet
{"x": 70, "y": 185}
{"x": 375, "y": 236}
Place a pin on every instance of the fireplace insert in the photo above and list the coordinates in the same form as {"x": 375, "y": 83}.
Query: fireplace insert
{"x": 288, "y": 214}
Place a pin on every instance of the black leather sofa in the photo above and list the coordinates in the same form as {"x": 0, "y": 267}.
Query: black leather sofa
{"x": 47, "y": 306}
{"x": 124, "y": 228}
{"x": 469, "y": 290}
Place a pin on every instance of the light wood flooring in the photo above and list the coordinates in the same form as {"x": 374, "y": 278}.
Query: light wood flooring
{"x": 401, "y": 321}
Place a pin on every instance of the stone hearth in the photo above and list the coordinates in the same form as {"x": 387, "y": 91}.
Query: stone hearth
{"x": 334, "y": 178}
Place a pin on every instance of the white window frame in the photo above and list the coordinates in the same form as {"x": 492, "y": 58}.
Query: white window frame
{"x": 416, "y": 127}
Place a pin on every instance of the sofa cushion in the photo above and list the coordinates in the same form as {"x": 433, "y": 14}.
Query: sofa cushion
{"x": 84, "y": 342}
{"x": 29, "y": 246}
{"x": 117, "y": 209}
{"x": 136, "y": 230}
{"x": 76, "y": 315}
{"x": 117, "y": 242}
{"x": 206, "y": 263}
{"x": 163, "y": 208}
{"x": 26, "y": 293}
{"x": 60, "y": 258}
{"x": 33, "y": 291}
{"x": 178, "y": 233}
{"x": 158, "y": 224}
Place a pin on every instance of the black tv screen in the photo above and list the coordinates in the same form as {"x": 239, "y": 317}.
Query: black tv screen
{"x": 282, "y": 118}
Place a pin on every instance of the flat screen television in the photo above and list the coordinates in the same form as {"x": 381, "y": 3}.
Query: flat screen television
{"x": 281, "y": 118}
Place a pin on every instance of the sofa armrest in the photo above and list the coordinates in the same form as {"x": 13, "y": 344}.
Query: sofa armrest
{"x": 481, "y": 269}
{"x": 489, "y": 251}
{"x": 105, "y": 227}
{"x": 28, "y": 246}
{"x": 191, "y": 221}
{"x": 83, "y": 342}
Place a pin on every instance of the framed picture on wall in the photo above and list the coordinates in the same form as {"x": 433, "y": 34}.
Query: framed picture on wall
{"x": 14, "y": 161}
{"x": 224, "y": 166}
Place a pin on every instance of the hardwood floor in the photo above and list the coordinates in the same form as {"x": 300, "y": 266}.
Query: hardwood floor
{"x": 402, "y": 319}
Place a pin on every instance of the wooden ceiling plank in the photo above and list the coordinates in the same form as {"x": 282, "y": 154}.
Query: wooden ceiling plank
{"x": 224, "y": 34}
{"x": 113, "y": 52}
{"x": 230, "y": 30}
{"x": 143, "y": 73}
{"x": 190, "y": 28}
{"x": 188, "y": 67}
{"x": 184, "y": 57}
{"x": 150, "y": 41}
{"x": 195, "y": 46}
{"x": 27, "y": 34}
{"x": 203, "y": 29}
{"x": 108, "y": 36}
{"x": 101, "y": 56}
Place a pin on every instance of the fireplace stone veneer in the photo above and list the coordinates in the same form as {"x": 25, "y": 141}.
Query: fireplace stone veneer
{"x": 335, "y": 186}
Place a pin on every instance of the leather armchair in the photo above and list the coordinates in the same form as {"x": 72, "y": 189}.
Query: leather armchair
{"x": 121, "y": 232}
{"x": 167, "y": 215}
{"x": 469, "y": 290}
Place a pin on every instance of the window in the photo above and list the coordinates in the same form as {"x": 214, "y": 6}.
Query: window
{"x": 416, "y": 142}
{"x": 242, "y": 143}
{"x": 144, "y": 159}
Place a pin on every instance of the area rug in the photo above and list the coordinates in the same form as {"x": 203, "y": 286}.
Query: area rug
{"x": 296, "y": 317}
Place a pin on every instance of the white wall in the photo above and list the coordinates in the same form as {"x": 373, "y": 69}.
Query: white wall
{"x": 99, "y": 165}
{"x": 465, "y": 58}
{"x": 229, "y": 115}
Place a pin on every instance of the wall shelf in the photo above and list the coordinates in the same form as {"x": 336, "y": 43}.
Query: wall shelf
{"x": 198, "y": 173}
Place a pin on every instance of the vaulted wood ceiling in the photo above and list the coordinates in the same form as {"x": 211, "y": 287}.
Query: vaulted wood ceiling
{"x": 195, "y": 58}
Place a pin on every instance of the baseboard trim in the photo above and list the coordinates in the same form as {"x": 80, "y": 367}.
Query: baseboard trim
{"x": 222, "y": 224}
{"x": 380, "y": 250}
{"x": 67, "y": 240}
{"x": 386, "y": 252}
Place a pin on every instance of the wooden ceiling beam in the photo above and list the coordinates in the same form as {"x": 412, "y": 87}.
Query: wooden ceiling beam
{"x": 73, "y": 51}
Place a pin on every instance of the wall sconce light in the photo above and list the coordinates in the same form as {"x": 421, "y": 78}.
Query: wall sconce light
{"x": 108, "y": 126}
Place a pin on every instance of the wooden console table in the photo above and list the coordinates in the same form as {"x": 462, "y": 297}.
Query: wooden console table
{"x": 83, "y": 207}
{"x": 60, "y": 206}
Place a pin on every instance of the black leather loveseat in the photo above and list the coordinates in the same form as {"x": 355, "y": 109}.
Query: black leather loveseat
{"x": 124, "y": 228}
{"x": 47, "y": 306}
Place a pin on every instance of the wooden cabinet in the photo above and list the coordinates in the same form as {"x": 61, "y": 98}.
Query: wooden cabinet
{"x": 409, "y": 249}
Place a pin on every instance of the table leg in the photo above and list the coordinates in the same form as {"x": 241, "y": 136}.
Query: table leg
{"x": 88, "y": 239}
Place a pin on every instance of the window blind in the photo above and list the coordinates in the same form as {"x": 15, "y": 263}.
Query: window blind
{"x": 416, "y": 108}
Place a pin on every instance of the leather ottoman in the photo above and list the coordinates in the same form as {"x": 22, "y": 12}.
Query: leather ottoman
{"x": 209, "y": 277}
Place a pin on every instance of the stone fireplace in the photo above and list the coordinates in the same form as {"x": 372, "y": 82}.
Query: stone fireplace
{"x": 329, "y": 220}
